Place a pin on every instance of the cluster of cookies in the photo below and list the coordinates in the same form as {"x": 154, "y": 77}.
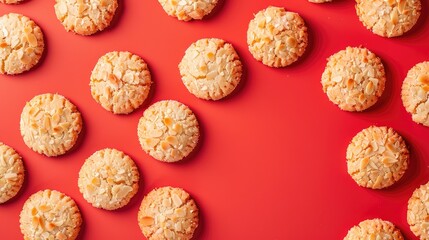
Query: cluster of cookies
{"x": 354, "y": 79}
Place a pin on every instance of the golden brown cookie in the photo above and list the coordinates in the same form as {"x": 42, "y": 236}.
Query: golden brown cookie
{"x": 187, "y": 10}
{"x": 120, "y": 82}
{"x": 168, "y": 131}
{"x": 418, "y": 212}
{"x": 388, "y": 18}
{"x": 108, "y": 179}
{"x": 415, "y": 93}
{"x": 211, "y": 69}
{"x": 11, "y": 173}
{"x": 50, "y": 214}
{"x": 21, "y": 44}
{"x": 377, "y": 157}
{"x": 277, "y": 37}
{"x": 50, "y": 124}
{"x": 354, "y": 79}
{"x": 168, "y": 213}
{"x": 11, "y": 1}
{"x": 85, "y": 17}
{"x": 374, "y": 229}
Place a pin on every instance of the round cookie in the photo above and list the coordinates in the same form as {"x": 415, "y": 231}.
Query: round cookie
{"x": 418, "y": 212}
{"x": 277, "y": 37}
{"x": 388, "y": 18}
{"x": 187, "y": 10}
{"x": 50, "y": 124}
{"x": 415, "y": 93}
{"x": 10, "y": 1}
{"x": 108, "y": 179}
{"x": 377, "y": 157}
{"x": 21, "y": 43}
{"x": 211, "y": 69}
{"x": 374, "y": 229}
{"x": 120, "y": 82}
{"x": 11, "y": 173}
{"x": 168, "y": 131}
{"x": 354, "y": 79}
{"x": 168, "y": 213}
{"x": 50, "y": 214}
{"x": 85, "y": 17}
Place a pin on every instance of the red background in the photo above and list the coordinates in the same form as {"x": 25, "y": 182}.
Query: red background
{"x": 271, "y": 161}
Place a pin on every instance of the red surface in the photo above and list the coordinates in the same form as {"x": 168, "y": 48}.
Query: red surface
{"x": 271, "y": 161}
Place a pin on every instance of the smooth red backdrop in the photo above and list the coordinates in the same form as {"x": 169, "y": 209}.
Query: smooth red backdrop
{"x": 271, "y": 162}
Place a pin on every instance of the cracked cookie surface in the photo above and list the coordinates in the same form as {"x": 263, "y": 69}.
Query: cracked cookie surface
{"x": 11, "y": 173}
{"x": 187, "y": 10}
{"x": 168, "y": 213}
{"x": 374, "y": 229}
{"x": 108, "y": 179}
{"x": 50, "y": 124}
{"x": 277, "y": 37}
{"x": 377, "y": 157}
{"x": 21, "y": 44}
{"x": 354, "y": 79}
{"x": 415, "y": 93}
{"x": 85, "y": 17}
{"x": 388, "y": 18}
{"x": 168, "y": 131}
{"x": 418, "y": 212}
{"x": 211, "y": 69}
{"x": 120, "y": 82}
{"x": 50, "y": 214}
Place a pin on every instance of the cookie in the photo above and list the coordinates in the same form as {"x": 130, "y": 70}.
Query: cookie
{"x": 85, "y": 17}
{"x": 211, "y": 69}
{"x": 277, "y": 37}
{"x": 354, "y": 79}
{"x": 168, "y": 131}
{"x": 50, "y": 214}
{"x": 374, "y": 229}
{"x": 319, "y": 1}
{"x": 21, "y": 44}
{"x": 415, "y": 93}
{"x": 377, "y": 157}
{"x": 10, "y": 1}
{"x": 50, "y": 124}
{"x": 108, "y": 179}
{"x": 187, "y": 10}
{"x": 11, "y": 173}
{"x": 418, "y": 212}
{"x": 388, "y": 18}
{"x": 120, "y": 82}
{"x": 168, "y": 213}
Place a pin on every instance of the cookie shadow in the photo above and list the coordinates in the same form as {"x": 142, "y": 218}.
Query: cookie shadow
{"x": 116, "y": 18}
{"x": 81, "y": 235}
{"x": 419, "y": 29}
{"x": 201, "y": 220}
{"x": 216, "y": 10}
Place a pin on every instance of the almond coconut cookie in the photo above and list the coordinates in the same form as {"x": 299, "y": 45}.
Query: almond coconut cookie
{"x": 168, "y": 131}
{"x": 415, "y": 93}
{"x": 108, "y": 179}
{"x": 11, "y": 173}
{"x": 187, "y": 10}
{"x": 120, "y": 82}
{"x": 10, "y": 1}
{"x": 418, "y": 212}
{"x": 50, "y": 124}
{"x": 211, "y": 69}
{"x": 85, "y": 17}
{"x": 354, "y": 79}
{"x": 277, "y": 37}
{"x": 377, "y": 157}
{"x": 388, "y": 18}
{"x": 21, "y": 44}
{"x": 374, "y": 229}
{"x": 168, "y": 213}
{"x": 50, "y": 214}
